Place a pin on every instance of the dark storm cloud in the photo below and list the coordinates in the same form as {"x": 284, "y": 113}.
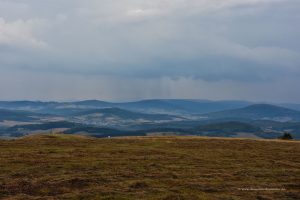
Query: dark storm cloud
{"x": 169, "y": 43}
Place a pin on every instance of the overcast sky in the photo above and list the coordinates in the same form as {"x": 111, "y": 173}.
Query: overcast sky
{"x": 137, "y": 49}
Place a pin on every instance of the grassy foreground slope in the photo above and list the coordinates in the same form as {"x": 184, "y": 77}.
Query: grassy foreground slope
{"x": 170, "y": 168}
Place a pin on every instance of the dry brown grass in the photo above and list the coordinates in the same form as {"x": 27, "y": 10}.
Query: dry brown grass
{"x": 170, "y": 168}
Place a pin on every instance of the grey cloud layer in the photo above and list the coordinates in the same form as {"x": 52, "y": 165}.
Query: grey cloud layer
{"x": 208, "y": 41}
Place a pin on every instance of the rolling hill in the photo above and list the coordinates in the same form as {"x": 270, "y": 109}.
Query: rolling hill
{"x": 227, "y": 127}
{"x": 124, "y": 114}
{"x": 18, "y": 115}
{"x": 100, "y": 118}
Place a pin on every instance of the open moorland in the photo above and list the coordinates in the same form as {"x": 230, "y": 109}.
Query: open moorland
{"x": 170, "y": 168}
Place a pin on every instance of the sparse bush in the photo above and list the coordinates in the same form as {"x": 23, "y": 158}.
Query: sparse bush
{"x": 286, "y": 136}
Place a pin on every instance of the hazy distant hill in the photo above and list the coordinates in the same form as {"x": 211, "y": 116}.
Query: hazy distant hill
{"x": 45, "y": 126}
{"x": 291, "y": 106}
{"x": 162, "y": 106}
{"x": 183, "y": 105}
{"x": 125, "y": 114}
{"x": 258, "y": 111}
{"x": 93, "y": 103}
{"x": 228, "y": 127}
{"x": 18, "y": 115}
{"x": 25, "y": 105}
{"x": 183, "y": 117}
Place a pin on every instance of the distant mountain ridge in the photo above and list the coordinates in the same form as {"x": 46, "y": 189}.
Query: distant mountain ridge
{"x": 162, "y": 106}
{"x": 153, "y": 116}
{"x": 258, "y": 111}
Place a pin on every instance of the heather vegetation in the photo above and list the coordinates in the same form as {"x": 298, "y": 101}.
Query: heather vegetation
{"x": 78, "y": 167}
